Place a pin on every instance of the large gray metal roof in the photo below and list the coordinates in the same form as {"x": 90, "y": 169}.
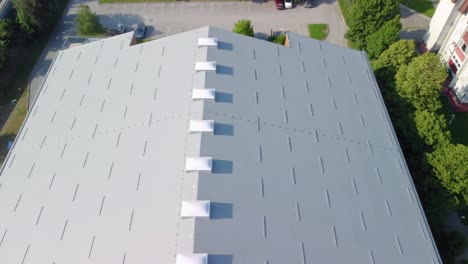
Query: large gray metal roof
{"x": 306, "y": 167}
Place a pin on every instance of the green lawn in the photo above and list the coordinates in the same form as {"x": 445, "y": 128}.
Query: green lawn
{"x": 459, "y": 125}
{"x": 345, "y": 5}
{"x": 318, "y": 31}
{"x": 13, "y": 124}
{"x": 422, "y": 6}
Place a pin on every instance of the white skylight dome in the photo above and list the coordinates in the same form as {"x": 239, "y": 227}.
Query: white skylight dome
{"x": 192, "y": 259}
{"x": 208, "y": 94}
{"x": 207, "y": 42}
{"x": 198, "y": 163}
{"x": 201, "y": 126}
{"x": 195, "y": 209}
{"x": 205, "y": 66}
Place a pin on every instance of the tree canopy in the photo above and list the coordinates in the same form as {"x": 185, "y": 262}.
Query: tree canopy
{"x": 87, "y": 23}
{"x": 5, "y": 31}
{"x": 32, "y": 15}
{"x": 431, "y": 127}
{"x": 386, "y": 35}
{"x": 399, "y": 53}
{"x": 244, "y": 27}
{"x": 367, "y": 16}
{"x": 420, "y": 82}
{"x": 450, "y": 165}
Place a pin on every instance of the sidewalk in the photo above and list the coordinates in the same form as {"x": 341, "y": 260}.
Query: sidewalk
{"x": 414, "y": 24}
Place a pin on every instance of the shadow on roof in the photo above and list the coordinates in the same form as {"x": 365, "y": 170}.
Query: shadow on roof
{"x": 221, "y": 211}
{"x": 226, "y": 70}
{"x": 221, "y": 97}
{"x": 225, "y": 45}
{"x": 221, "y": 166}
{"x": 223, "y": 129}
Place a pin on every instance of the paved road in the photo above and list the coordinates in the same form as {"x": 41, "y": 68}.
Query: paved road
{"x": 166, "y": 19}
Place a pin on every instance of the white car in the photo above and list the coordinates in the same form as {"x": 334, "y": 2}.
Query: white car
{"x": 288, "y": 4}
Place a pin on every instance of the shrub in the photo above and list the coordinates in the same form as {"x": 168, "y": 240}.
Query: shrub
{"x": 244, "y": 27}
{"x": 278, "y": 39}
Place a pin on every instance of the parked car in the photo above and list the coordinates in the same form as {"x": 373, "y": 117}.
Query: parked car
{"x": 288, "y": 4}
{"x": 308, "y": 4}
{"x": 116, "y": 31}
{"x": 121, "y": 28}
{"x": 279, "y": 4}
{"x": 140, "y": 31}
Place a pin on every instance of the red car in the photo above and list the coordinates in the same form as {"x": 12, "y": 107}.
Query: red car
{"x": 279, "y": 4}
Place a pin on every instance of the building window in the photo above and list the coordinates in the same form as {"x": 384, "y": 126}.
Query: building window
{"x": 456, "y": 61}
{"x": 463, "y": 47}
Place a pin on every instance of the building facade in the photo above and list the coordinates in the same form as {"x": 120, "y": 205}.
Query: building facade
{"x": 448, "y": 35}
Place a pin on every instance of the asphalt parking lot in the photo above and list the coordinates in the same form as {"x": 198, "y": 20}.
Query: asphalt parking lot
{"x": 168, "y": 18}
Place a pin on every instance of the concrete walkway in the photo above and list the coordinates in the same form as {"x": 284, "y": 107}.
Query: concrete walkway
{"x": 414, "y": 24}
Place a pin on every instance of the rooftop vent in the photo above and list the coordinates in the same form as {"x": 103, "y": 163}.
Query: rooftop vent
{"x": 195, "y": 209}
{"x": 201, "y": 125}
{"x": 203, "y": 94}
{"x": 198, "y": 163}
{"x": 205, "y": 66}
{"x": 192, "y": 259}
{"x": 207, "y": 42}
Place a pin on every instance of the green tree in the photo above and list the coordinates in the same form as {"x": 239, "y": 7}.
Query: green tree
{"x": 87, "y": 23}
{"x": 367, "y": 16}
{"x": 431, "y": 127}
{"x": 386, "y": 35}
{"x": 244, "y": 27}
{"x": 399, "y": 53}
{"x": 3, "y": 54}
{"x": 387, "y": 65}
{"x": 420, "y": 82}
{"x": 450, "y": 166}
{"x": 32, "y": 15}
{"x": 5, "y": 30}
